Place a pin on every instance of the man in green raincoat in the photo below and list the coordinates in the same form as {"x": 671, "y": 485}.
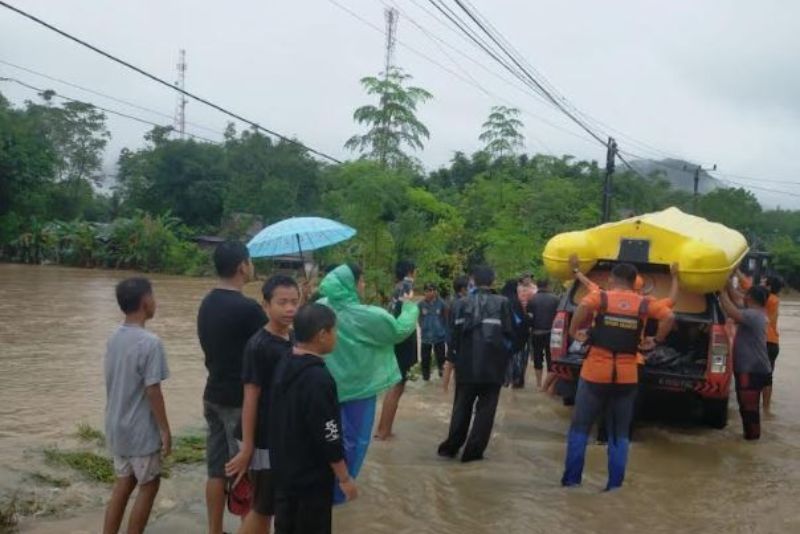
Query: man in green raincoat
{"x": 363, "y": 363}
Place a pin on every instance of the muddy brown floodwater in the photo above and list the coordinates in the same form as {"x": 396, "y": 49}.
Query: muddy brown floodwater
{"x": 682, "y": 477}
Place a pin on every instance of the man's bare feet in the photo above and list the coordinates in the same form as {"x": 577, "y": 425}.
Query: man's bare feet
{"x": 381, "y": 437}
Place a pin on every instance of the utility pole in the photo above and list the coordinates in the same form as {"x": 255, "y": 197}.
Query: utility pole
{"x": 180, "y": 109}
{"x": 611, "y": 155}
{"x": 696, "y": 194}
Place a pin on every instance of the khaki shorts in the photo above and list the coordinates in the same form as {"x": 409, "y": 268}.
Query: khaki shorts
{"x": 144, "y": 469}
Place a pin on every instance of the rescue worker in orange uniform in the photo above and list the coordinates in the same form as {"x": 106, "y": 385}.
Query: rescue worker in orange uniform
{"x": 609, "y": 374}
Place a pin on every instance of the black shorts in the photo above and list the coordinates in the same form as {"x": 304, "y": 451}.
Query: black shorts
{"x": 263, "y": 492}
{"x": 404, "y": 369}
{"x": 752, "y": 381}
{"x": 307, "y": 514}
{"x": 773, "y": 349}
{"x": 406, "y": 354}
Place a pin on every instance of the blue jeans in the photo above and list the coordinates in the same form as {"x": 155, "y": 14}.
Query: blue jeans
{"x": 617, "y": 402}
{"x": 358, "y": 417}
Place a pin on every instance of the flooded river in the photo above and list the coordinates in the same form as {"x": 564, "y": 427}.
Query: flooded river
{"x": 682, "y": 477}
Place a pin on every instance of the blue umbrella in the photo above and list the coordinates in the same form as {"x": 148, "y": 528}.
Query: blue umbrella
{"x": 293, "y": 236}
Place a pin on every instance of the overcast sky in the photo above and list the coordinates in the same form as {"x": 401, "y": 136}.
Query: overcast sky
{"x": 713, "y": 81}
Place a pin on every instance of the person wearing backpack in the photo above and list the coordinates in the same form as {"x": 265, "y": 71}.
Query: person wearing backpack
{"x": 480, "y": 348}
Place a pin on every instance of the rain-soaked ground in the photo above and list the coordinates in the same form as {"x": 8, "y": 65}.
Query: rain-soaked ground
{"x": 682, "y": 477}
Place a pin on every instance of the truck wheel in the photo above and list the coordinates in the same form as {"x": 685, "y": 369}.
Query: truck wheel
{"x": 715, "y": 412}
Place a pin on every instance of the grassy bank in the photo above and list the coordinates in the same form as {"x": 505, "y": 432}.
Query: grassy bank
{"x": 87, "y": 462}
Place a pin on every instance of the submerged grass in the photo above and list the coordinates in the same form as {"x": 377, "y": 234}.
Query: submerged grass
{"x": 8, "y": 516}
{"x": 91, "y": 465}
{"x": 50, "y": 480}
{"x": 88, "y": 433}
{"x": 186, "y": 450}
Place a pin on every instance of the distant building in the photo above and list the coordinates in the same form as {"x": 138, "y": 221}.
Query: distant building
{"x": 208, "y": 241}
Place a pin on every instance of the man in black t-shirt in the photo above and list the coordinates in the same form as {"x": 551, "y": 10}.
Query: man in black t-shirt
{"x": 261, "y": 356}
{"x": 226, "y": 321}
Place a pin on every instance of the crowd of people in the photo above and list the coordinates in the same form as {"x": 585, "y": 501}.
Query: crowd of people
{"x": 291, "y": 396}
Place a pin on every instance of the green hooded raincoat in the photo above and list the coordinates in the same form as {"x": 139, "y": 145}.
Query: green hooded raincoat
{"x": 363, "y": 363}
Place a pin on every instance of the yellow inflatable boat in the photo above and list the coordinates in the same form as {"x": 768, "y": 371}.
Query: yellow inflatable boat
{"x": 706, "y": 252}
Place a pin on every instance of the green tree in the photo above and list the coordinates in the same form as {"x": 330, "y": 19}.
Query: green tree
{"x": 27, "y": 161}
{"x": 78, "y": 134}
{"x": 786, "y": 259}
{"x": 735, "y": 208}
{"x": 501, "y": 131}
{"x": 370, "y": 198}
{"x": 272, "y": 179}
{"x": 392, "y": 124}
{"x": 184, "y": 177}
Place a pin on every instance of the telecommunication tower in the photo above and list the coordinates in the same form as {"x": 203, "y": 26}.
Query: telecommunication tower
{"x": 392, "y": 16}
{"x": 180, "y": 108}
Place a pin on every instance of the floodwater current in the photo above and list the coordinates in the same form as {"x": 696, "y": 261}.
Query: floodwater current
{"x": 682, "y": 477}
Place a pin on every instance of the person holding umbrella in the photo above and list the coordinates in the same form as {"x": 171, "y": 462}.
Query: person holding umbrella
{"x": 363, "y": 363}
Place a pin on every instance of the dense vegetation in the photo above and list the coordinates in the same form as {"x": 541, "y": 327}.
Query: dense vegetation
{"x": 495, "y": 206}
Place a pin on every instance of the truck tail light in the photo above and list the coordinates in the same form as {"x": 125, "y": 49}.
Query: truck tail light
{"x": 720, "y": 349}
{"x": 558, "y": 336}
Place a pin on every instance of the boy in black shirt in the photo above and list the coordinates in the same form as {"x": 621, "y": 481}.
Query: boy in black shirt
{"x": 261, "y": 355}
{"x": 305, "y": 433}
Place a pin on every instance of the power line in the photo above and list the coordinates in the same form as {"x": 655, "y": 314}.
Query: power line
{"x": 533, "y": 79}
{"x": 107, "y": 110}
{"x": 456, "y": 74}
{"x": 166, "y": 83}
{"x": 456, "y": 49}
{"x": 630, "y": 167}
{"x": 508, "y": 45}
{"x": 766, "y": 189}
{"x": 754, "y": 179}
{"x": 597, "y": 123}
{"x": 476, "y": 39}
{"x": 558, "y": 100}
{"x": 401, "y": 43}
{"x": 439, "y": 44}
{"x": 724, "y": 180}
{"x": 104, "y": 95}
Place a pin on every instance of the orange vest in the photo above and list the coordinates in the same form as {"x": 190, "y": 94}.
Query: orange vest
{"x": 773, "y": 304}
{"x": 615, "y": 337}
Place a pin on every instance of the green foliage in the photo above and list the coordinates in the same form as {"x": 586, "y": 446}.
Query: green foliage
{"x": 392, "y": 124}
{"x": 269, "y": 179}
{"x": 88, "y": 433}
{"x": 370, "y": 198}
{"x": 501, "y": 131}
{"x": 186, "y": 178}
{"x": 491, "y": 207}
{"x": 141, "y": 242}
{"x": 27, "y": 160}
{"x": 187, "y": 450}
{"x": 89, "y": 464}
{"x": 786, "y": 259}
{"x": 79, "y": 135}
{"x": 735, "y": 208}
